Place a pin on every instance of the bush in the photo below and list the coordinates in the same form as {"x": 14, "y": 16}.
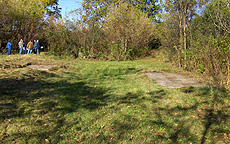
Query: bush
{"x": 128, "y": 32}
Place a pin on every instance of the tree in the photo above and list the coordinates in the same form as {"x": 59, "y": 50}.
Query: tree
{"x": 98, "y": 9}
{"x": 51, "y": 7}
{"x": 184, "y": 10}
{"x": 23, "y": 19}
{"x": 219, "y": 13}
{"x": 128, "y": 31}
{"x": 168, "y": 33}
{"x": 19, "y": 18}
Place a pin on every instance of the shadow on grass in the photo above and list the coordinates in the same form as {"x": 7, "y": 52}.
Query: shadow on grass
{"x": 134, "y": 98}
{"x": 124, "y": 128}
{"x": 204, "y": 118}
{"x": 212, "y": 112}
{"x": 43, "y": 105}
{"x": 216, "y": 115}
{"x": 110, "y": 73}
{"x": 38, "y": 110}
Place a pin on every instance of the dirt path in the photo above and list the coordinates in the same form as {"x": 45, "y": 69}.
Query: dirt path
{"x": 173, "y": 80}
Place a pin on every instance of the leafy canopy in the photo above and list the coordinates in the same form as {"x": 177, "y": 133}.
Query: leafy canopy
{"x": 98, "y": 9}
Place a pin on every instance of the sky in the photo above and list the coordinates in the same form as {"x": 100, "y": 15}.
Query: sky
{"x": 68, "y": 5}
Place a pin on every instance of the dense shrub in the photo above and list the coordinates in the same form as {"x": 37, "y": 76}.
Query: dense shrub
{"x": 128, "y": 32}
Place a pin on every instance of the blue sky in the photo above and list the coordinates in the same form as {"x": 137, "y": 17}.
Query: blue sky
{"x": 68, "y": 5}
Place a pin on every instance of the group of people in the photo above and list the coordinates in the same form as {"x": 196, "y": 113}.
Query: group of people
{"x": 30, "y": 47}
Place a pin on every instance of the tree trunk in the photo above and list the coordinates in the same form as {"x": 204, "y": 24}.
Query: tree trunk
{"x": 228, "y": 77}
{"x": 184, "y": 38}
{"x": 125, "y": 48}
{"x": 180, "y": 38}
{"x": 92, "y": 43}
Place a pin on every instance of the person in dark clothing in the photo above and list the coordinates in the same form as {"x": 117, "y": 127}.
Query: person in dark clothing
{"x": 24, "y": 49}
{"x": 38, "y": 47}
{"x": 35, "y": 47}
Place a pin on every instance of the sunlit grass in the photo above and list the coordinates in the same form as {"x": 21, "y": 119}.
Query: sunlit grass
{"x": 83, "y": 101}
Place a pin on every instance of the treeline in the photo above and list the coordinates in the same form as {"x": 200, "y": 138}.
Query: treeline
{"x": 198, "y": 40}
{"x": 121, "y": 33}
{"x": 25, "y": 19}
{"x": 114, "y": 30}
{"x": 194, "y": 34}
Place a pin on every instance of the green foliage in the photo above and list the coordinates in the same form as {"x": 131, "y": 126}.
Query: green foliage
{"x": 126, "y": 33}
{"x": 37, "y": 19}
{"x": 119, "y": 52}
{"x": 23, "y": 19}
{"x": 128, "y": 30}
{"x": 209, "y": 52}
{"x": 51, "y": 8}
{"x": 201, "y": 44}
{"x": 101, "y": 56}
{"x": 92, "y": 40}
{"x": 218, "y": 12}
{"x": 62, "y": 42}
{"x": 168, "y": 33}
{"x": 98, "y": 9}
{"x": 20, "y": 19}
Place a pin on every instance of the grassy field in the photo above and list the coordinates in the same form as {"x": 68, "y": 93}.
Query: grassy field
{"x": 88, "y": 101}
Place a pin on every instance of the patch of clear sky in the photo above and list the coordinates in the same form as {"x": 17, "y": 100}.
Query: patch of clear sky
{"x": 68, "y": 5}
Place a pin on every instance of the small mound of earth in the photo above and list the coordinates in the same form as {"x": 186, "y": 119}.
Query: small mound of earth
{"x": 173, "y": 80}
{"x": 41, "y": 67}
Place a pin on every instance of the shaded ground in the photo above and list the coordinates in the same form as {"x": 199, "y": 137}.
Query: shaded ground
{"x": 174, "y": 80}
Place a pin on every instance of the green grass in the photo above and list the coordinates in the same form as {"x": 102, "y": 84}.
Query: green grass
{"x": 85, "y": 101}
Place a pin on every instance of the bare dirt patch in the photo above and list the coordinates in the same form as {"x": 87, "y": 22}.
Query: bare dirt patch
{"x": 41, "y": 67}
{"x": 174, "y": 80}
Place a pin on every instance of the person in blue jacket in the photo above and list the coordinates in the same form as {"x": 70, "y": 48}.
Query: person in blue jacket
{"x": 9, "y": 46}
